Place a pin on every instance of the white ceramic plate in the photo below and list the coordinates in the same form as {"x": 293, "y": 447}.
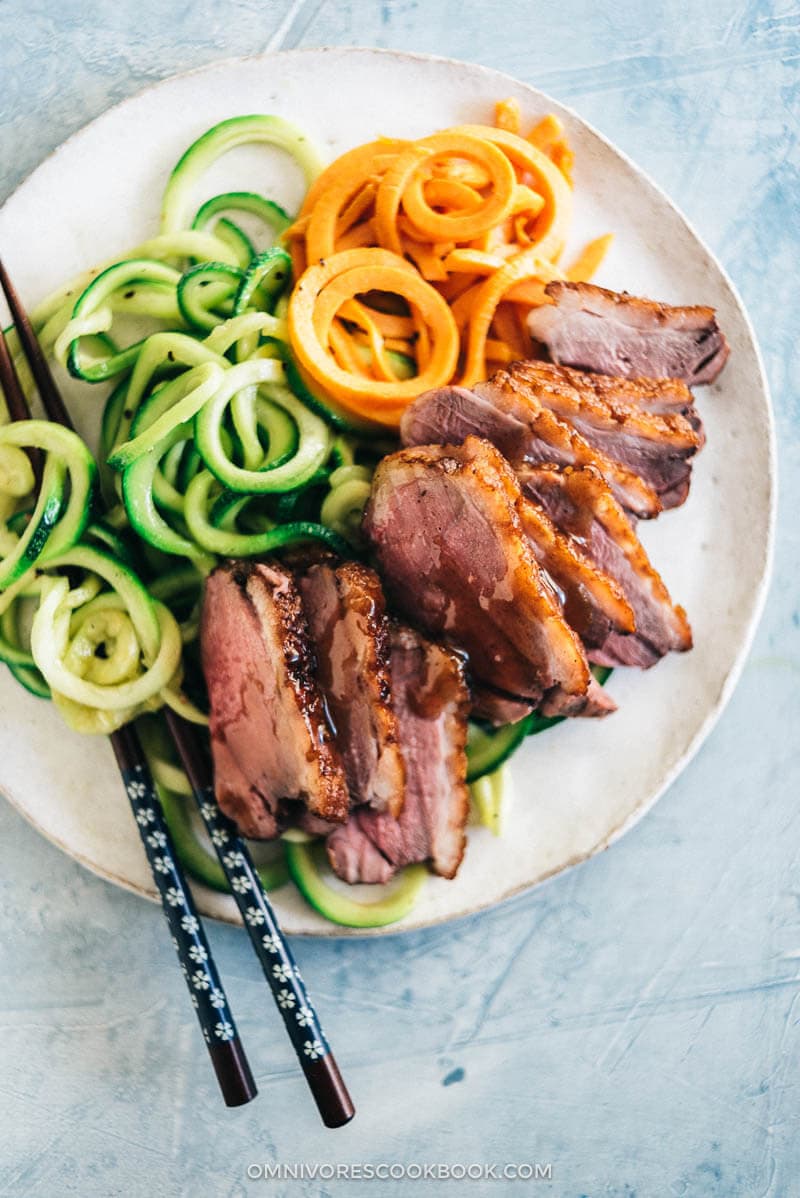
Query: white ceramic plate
{"x": 582, "y": 784}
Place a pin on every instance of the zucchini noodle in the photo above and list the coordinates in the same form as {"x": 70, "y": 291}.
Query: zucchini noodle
{"x": 63, "y": 507}
{"x": 65, "y": 655}
{"x": 105, "y": 656}
{"x": 491, "y": 794}
{"x": 343, "y": 506}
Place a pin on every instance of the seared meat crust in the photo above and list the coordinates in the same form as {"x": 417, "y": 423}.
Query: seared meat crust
{"x": 270, "y": 740}
{"x": 346, "y": 615}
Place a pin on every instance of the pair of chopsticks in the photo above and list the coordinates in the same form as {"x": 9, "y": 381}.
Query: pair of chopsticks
{"x": 194, "y": 953}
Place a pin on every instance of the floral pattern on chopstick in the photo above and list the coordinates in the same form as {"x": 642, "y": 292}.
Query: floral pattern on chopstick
{"x": 188, "y": 936}
{"x": 273, "y": 952}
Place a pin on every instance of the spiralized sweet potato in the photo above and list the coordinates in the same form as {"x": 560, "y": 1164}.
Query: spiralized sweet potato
{"x": 417, "y": 262}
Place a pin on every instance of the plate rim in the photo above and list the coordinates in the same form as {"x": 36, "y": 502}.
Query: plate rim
{"x": 335, "y": 931}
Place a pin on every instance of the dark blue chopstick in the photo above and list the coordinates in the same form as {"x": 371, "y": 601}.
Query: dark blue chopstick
{"x": 288, "y": 989}
{"x": 305, "y": 1032}
{"x": 208, "y": 996}
{"x": 188, "y": 936}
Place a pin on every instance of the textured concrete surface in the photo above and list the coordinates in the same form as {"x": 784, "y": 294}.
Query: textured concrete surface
{"x": 635, "y": 1024}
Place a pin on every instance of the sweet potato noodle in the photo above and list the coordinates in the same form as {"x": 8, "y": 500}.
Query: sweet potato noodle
{"x": 418, "y": 262}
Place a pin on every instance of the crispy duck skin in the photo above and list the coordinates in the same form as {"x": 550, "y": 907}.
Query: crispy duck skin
{"x": 495, "y": 707}
{"x": 347, "y": 620}
{"x": 272, "y": 748}
{"x": 431, "y": 700}
{"x": 446, "y": 530}
{"x": 593, "y": 602}
{"x": 661, "y": 397}
{"x": 615, "y": 333}
{"x": 580, "y": 503}
{"x": 655, "y": 446}
{"x": 524, "y": 430}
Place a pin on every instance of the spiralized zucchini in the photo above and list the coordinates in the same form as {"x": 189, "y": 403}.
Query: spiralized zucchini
{"x": 491, "y": 794}
{"x": 343, "y": 506}
{"x": 61, "y": 511}
{"x": 106, "y": 654}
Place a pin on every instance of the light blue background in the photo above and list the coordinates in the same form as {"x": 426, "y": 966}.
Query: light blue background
{"x": 636, "y": 1022}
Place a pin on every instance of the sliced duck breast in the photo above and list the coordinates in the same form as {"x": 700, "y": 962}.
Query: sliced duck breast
{"x": 270, "y": 740}
{"x": 346, "y": 614}
{"x": 580, "y": 503}
{"x": 431, "y": 700}
{"x": 593, "y": 602}
{"x": 524, "y": 430}
{"x": 446, "y": 531}
{"x": 616, "y": 333}
{"x": 655, "y": 446}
